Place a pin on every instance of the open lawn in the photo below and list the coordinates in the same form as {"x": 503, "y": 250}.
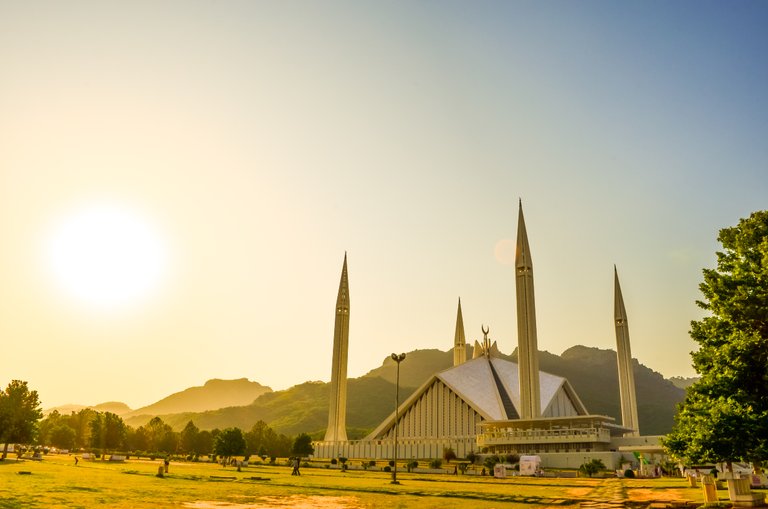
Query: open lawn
{"x": 57, "y": 482}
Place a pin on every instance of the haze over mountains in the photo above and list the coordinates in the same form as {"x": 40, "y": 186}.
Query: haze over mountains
{"x": 304, "y": 407}
{"x": 214, "y": 394}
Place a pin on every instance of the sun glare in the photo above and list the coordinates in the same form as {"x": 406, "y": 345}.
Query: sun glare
{"x": 106, "y": 256}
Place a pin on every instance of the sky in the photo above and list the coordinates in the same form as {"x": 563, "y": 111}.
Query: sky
{"x": 180, "y": 180}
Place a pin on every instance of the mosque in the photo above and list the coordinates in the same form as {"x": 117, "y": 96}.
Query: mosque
{"x": 491, "y": 405}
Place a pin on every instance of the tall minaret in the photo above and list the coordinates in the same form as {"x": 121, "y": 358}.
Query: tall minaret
{"x": 337, "y": 412}
{"x": 527, "y": 345}
{"x": 459, "y": 340}
{"x": 624, "y": 354}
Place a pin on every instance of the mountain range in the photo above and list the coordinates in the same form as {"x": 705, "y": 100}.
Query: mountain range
{"x": 304, "y": 407}
{"x": 214, "y": 394}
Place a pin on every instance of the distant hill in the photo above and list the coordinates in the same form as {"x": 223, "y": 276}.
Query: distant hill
{"x": 213, "y": 395}
{"x": 683, "y": 382}
{"x": 417, "y": 367}
{"x": 594, "y": 374}
{"x": 116, "y": 407}
{"x": 304, "y": 408}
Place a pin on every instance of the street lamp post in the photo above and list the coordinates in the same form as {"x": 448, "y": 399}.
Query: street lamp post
{"x": 398, "y": 359}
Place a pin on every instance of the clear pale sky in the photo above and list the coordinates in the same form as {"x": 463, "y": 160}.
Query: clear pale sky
{"x": 248, "y": 145}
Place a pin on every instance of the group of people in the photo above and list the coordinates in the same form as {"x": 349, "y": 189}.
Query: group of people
{"x": 296, "y": 462}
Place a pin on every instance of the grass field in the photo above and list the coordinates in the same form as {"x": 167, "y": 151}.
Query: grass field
{"x": 57, "y": 482}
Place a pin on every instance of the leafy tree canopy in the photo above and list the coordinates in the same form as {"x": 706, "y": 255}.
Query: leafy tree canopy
{"x": 19, "y": 413}
{"x": 108, "y": 431}
{"x": 229, "y": 442}
{"x": 725, "y": 414}
{"x": 302, "y": 446}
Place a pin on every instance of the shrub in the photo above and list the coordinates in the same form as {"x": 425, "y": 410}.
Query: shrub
{"x": 391, "y": 463}
{"x": 334, "y": 461}
{"x": 629, "y": 473}
{"x": 490, "y": 461}
{"x": 436, "y": 463}
{"x": 471, "y": 457}
{"x": 592, "y": 467}
{"x": 387, "y": 468}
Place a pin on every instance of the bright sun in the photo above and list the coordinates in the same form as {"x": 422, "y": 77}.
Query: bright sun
{"x": 106, "y": 256}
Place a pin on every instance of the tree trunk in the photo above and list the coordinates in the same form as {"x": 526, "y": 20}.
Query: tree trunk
{"x": 5, "y": 451}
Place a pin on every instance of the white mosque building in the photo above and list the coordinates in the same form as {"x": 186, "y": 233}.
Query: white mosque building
{"x": 491, "y": 405}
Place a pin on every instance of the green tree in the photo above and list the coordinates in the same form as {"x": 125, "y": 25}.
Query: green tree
{"x": 108, "y": 432}
{"x": 137, "y": 439}
{"x": 229, "y": 442}
{"x": 449, "y": 454}
{"x": 161, "y": 436}
{"x": 490, "y": 461}
{"x": 189, "y": 437}
{"x": 46, "y": 425}
{"x": 260, "y": 438}
{"x": 302, "y": 446}
{"x": 592, "y": 467}
{"x": 19, "y": 413}
{"x": 724, "y": 416}
{"x": 62, "y": 436}
{"x": 81, "y": 423}
{"x": 204, "y": 444}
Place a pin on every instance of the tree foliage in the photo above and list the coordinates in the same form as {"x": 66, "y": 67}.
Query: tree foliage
{"x": 302, "y": 446}
{"x": 19, "y": 413}
{"x": 725, "y": 414}
{"x": 189, "y": 438}
{"x": 592, "y": 467}
{"x": 108, "y": 432}
{"x": 229, "y": 442}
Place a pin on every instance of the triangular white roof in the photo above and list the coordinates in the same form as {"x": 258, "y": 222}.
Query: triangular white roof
{"x": 475, "y": 383}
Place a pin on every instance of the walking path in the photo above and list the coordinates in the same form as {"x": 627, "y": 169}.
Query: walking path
{"x": 609, "y": 494}
{"x": 612, "y": 494}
